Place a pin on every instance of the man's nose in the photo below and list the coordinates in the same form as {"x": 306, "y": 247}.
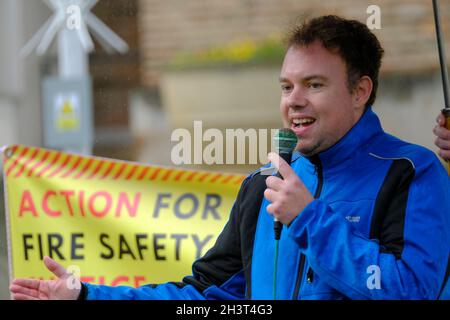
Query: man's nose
{"x": 297, "y": 98}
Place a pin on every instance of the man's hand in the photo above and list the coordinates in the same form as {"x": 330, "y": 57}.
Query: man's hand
{"x": 443, "y": 138}
{"x": 29, "y": 289}
{"x": 289, "y": 196}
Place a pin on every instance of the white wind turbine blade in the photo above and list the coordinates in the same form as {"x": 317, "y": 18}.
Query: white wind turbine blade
{"x": 102, "y": 31}
{"x": 105, "y": 45}
{"x": 85, "y": 38}
{"x": 52, "y": 30}
{"x": 87, "y": 5}
{"x": 34, "y": 41}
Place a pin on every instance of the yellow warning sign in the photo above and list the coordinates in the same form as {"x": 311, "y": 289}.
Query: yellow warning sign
{"x": 67, "y": 114}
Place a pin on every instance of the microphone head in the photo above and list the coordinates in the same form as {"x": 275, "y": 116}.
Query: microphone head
{"x": 285, "y": 141}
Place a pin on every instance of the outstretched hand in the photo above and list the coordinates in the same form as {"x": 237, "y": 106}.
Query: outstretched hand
{"x": 59, "y": 289}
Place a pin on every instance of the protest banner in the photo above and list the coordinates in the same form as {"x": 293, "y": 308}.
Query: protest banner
{"x": 114, "y": 222}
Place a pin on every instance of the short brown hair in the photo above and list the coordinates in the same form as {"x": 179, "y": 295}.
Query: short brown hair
{"x": 351, "y": 39}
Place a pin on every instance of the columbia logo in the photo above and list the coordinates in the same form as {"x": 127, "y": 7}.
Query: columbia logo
{"x": 353, "y": 218}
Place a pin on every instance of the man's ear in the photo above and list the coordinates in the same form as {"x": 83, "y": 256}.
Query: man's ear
{"x": 362, "y": 92}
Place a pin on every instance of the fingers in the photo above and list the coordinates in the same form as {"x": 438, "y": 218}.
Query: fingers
{"x": 273, "y": 209}
{"x": 443, "y": 138}
{"x": 270, "y": 195}
{"x": 54, "y": 267}
{"x": 15, "y": 289}
{"x": 283, "y": 167}
{"x": 442, "y": 132}
{"x": 442, "y": 141}
{"x": 442, "y": 144}
{"x": 20, "y": 296}
{"x": 444, "y": 148}
{"x": 28, "y": 283}
{"x": 274, "y": 183}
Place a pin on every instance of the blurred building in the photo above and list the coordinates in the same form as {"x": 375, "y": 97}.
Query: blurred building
{"x": 20, "y": 111}
{"x": 137, "y": 102}
{"x": 407, "y": 29}
{"x": 410, "y": 93}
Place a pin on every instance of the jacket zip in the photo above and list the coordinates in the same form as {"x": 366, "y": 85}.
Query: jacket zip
{"x": 318, "y": 164}
{"x": 310, "y": 276}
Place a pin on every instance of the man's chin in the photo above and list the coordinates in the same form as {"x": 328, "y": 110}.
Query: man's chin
{"x": 308, "y": 150}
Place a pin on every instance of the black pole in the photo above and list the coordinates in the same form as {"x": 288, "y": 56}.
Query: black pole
{"x": 442, "y": 59}
{"x": 444, "y": 71}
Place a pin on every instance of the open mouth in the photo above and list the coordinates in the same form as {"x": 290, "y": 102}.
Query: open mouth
{"x": 302, "y": 122}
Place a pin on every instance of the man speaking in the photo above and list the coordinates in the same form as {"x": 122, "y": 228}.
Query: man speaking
{"x": 365, "y": 215}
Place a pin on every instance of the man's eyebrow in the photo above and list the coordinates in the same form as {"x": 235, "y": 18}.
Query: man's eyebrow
{"x": 307, "y": 78}
{"x": 315, "y": 77}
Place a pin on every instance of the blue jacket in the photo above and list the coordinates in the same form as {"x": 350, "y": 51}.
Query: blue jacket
{"x": 379, "y": 228}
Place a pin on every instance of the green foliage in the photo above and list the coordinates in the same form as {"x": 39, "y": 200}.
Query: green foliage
{"x": 236, "y": 53}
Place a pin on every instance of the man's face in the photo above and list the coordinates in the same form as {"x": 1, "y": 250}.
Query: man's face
{"x": 316, "y": 102}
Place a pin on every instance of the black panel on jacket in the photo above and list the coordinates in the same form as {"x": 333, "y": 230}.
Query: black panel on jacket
{"x": 233, "y": 249}
{"x": 388, "y": 219}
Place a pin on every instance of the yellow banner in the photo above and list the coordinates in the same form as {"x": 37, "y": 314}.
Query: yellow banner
{"x": 118, "y": 223}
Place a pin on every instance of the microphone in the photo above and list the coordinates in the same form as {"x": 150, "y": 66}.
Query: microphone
{"x": 285, "y": 141}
